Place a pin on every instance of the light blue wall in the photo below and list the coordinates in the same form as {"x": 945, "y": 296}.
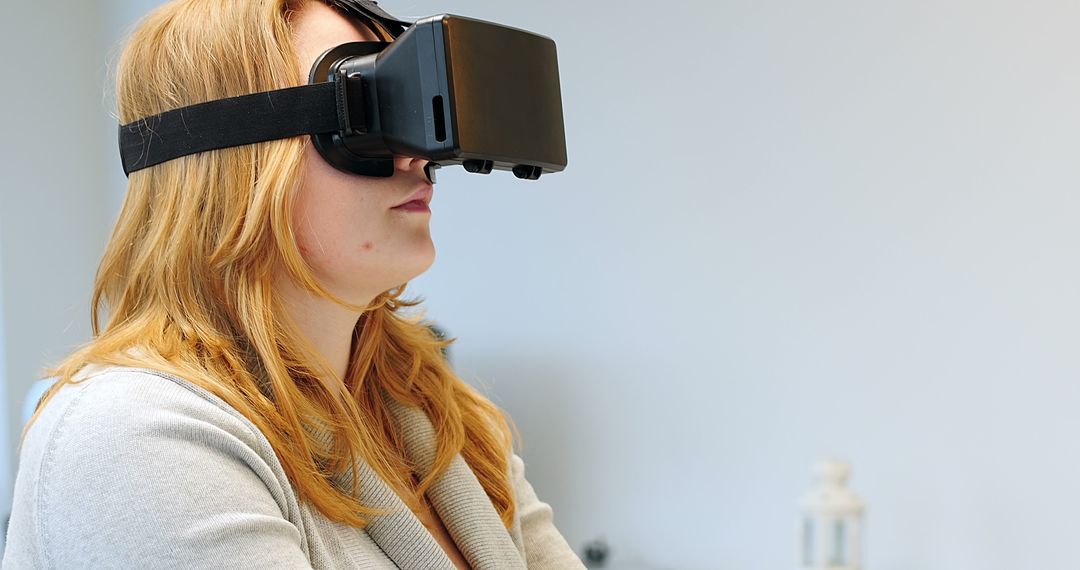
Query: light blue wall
{"x": 788, "y": 230}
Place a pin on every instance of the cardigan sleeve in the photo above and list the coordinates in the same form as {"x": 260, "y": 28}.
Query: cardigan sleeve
{"x": 141, "y": 473}
{"x": 545, "y": 548}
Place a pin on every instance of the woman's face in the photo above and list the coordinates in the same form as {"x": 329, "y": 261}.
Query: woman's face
{"x": 346, "y": 227}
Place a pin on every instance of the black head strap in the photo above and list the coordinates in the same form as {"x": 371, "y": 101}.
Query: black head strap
{"x": 248, "y": 119}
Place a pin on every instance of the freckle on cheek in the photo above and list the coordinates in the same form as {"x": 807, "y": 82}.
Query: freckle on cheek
{"x": 368, "y": 246}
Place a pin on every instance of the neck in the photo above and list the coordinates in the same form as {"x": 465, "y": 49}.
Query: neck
{"x": 327, "y": 326}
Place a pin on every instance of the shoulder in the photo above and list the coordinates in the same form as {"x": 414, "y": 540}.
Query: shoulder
{"x": 131, "y": 415}
{"x": 117, "y": 409}
{"x": 129, "y": 399}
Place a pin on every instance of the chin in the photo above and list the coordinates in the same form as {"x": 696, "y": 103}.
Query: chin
{"x": 416, "y": 266}
{"x": 423, "y": 264}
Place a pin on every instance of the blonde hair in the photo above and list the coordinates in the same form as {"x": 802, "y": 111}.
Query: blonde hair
{"x": 186, "y": 280}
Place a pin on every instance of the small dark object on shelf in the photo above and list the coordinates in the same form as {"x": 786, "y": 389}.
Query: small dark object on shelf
{"x": 596, "y": 553}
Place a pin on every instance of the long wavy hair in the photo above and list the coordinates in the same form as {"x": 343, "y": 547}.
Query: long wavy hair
{"x": 186, "y": 280}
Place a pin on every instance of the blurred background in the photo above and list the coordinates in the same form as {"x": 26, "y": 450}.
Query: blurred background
{"x": 789, "y": 230}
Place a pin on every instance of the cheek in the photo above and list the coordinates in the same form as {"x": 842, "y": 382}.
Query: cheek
{"x": 335, "y": 237}
{"x": 337, "y": 223}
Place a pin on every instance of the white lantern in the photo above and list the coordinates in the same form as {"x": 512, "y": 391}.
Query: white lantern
{"x": 832, "y": 514}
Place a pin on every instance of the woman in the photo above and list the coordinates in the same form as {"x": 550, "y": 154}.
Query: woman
{"x": 255, "y": 398}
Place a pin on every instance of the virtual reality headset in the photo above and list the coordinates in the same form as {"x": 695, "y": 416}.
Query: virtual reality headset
{"x": 450, "y": 89}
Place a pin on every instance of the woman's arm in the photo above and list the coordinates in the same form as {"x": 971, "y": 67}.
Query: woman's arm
{"x": 544, "y": 546}
{"x": 142, "y": 473}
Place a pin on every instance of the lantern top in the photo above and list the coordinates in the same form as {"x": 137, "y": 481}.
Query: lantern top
{"x": 833, "y": 471}
{"x": 831, "y": 495}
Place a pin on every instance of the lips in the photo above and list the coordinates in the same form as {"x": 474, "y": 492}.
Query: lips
{"x": 423, "y": 194}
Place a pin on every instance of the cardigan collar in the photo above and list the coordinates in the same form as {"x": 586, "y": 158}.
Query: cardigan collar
{"x": 457, "y": 496}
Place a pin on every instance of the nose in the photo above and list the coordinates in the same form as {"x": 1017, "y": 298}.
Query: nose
{"x": 421, "y": 166}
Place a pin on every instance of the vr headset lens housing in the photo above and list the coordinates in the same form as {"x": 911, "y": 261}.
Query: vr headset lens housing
{"x": 450, "y": 89}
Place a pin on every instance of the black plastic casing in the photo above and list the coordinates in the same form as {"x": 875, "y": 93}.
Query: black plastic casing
{"x": 453, "y": 90}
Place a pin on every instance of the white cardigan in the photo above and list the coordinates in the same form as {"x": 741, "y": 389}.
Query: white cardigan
{"x": 134, "y": 468}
